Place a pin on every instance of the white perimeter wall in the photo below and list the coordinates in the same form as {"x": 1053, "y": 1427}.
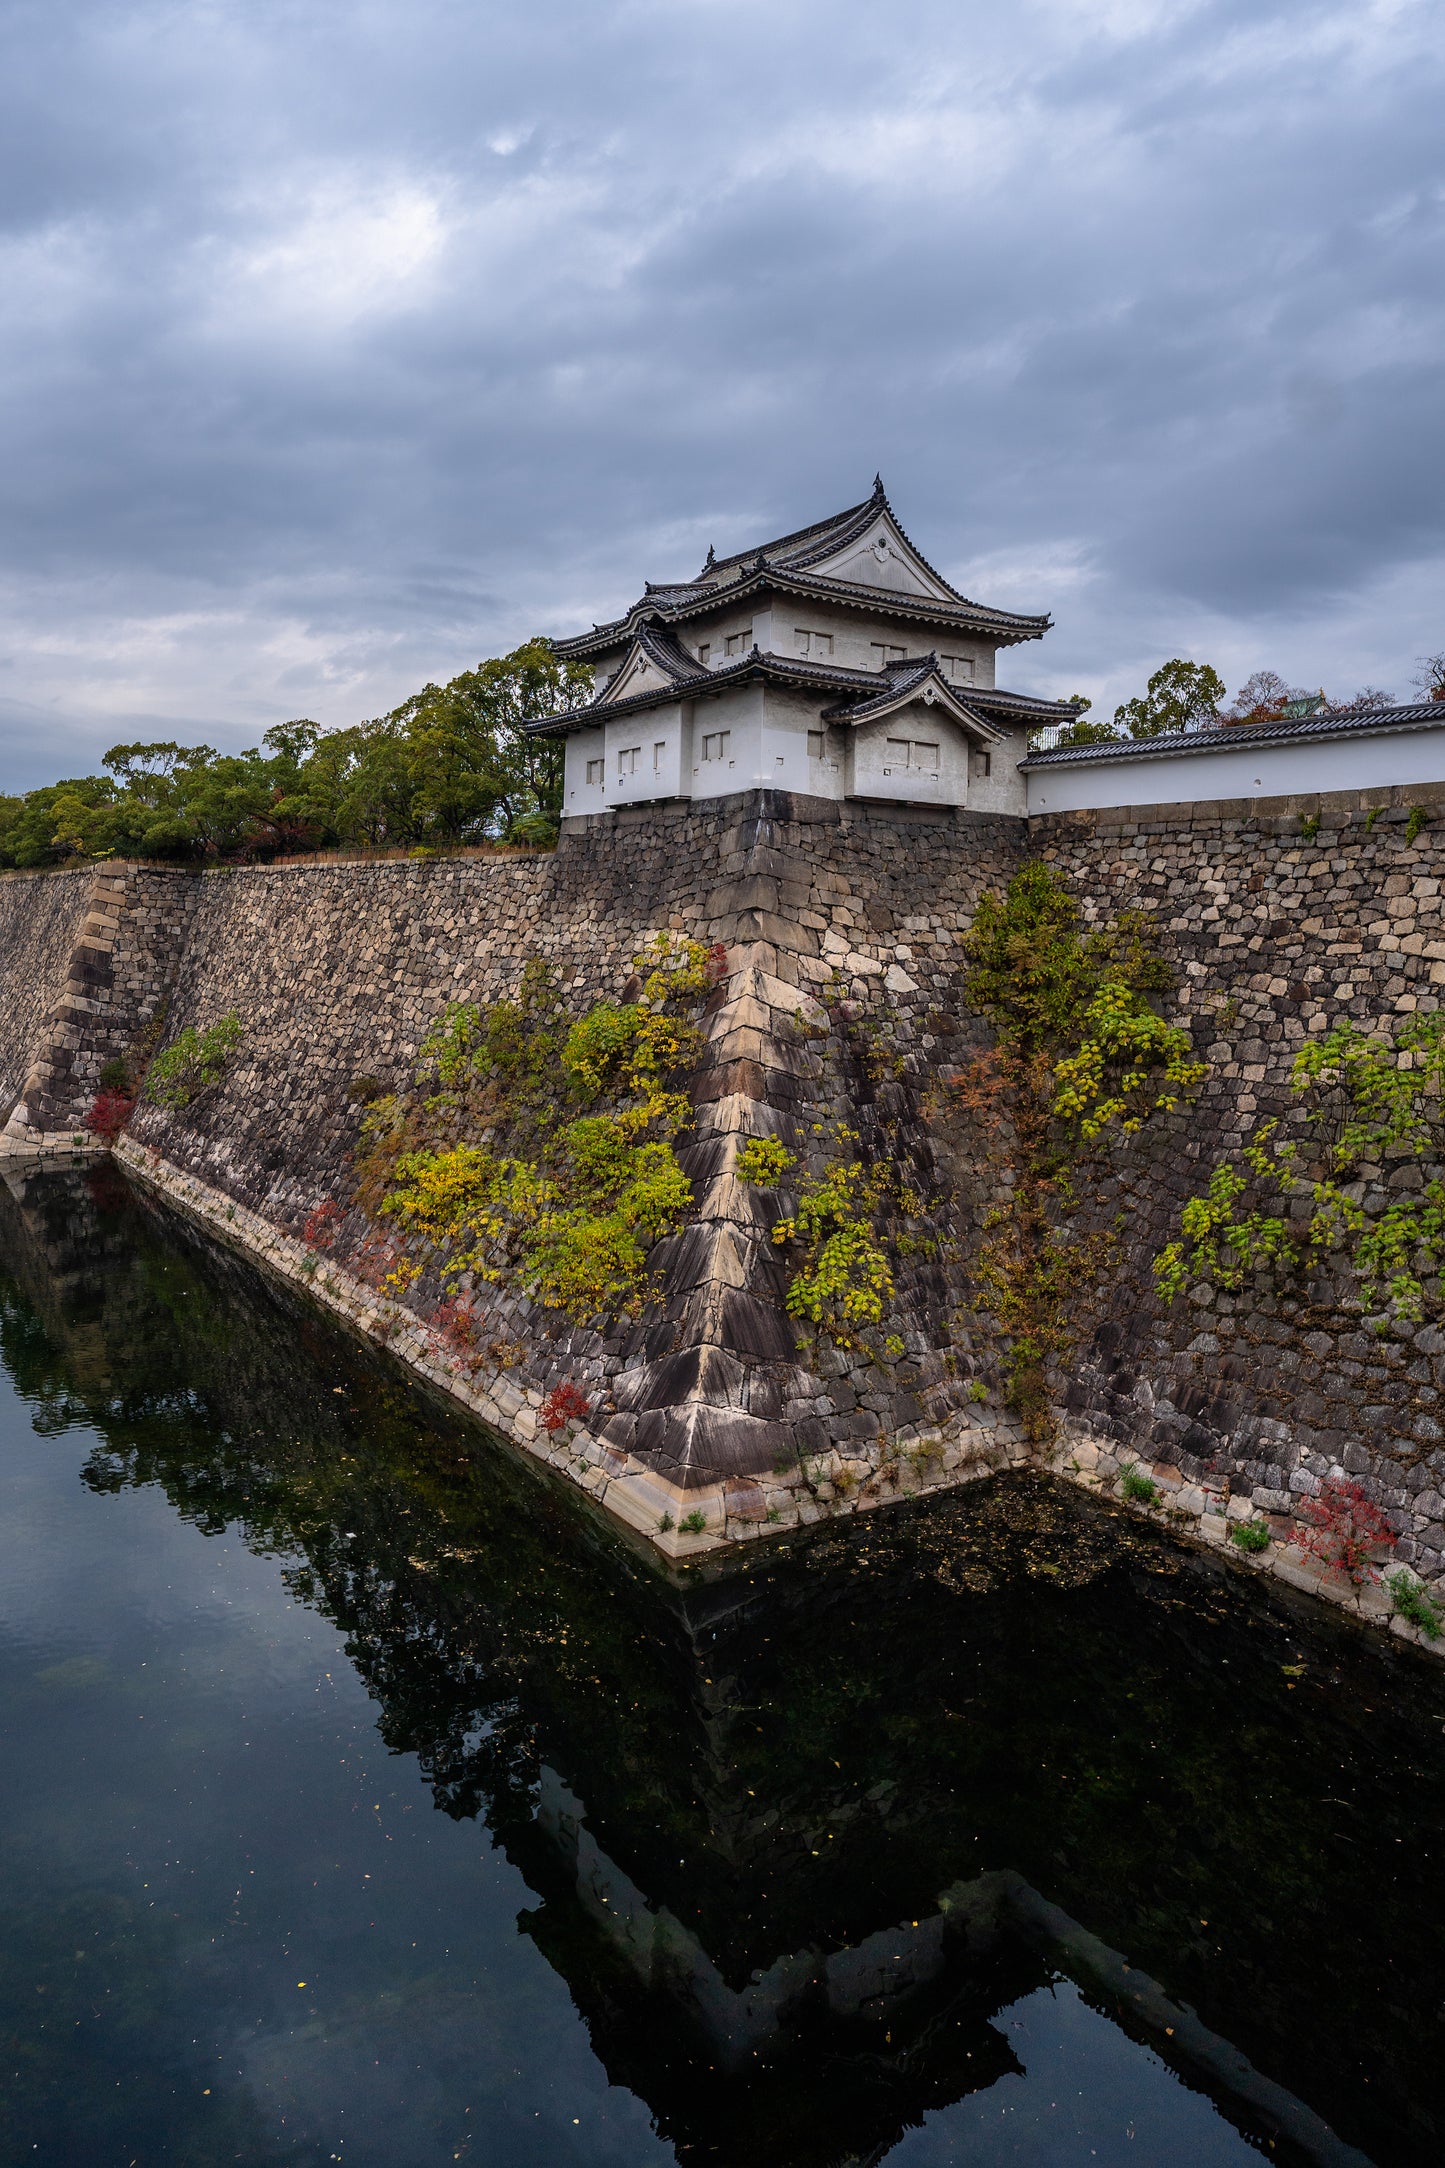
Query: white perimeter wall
{"x": 1360, "y": 762}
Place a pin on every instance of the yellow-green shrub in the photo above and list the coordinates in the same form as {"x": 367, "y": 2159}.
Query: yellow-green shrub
{"x": 494, "y": 1176}
{"x": 842, "y": 1277}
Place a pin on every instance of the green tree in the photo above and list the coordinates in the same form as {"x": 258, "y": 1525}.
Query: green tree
{"x": 82, "y": 817}
{"x": 359, "y": 785}
{"x": 452, "y": 764}
{"x": 478, "y": 771}
{"x": 1178, "y": 694}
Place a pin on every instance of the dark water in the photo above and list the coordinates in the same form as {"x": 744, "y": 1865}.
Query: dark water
{"x": 363, "y": 1800}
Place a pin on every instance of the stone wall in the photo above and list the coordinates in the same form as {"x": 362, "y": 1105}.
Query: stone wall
{"x": 337, "y": 971}
{"x": 40, "y": 917}
{"x": 1257, "y": 1397}
{"x": 710, "y": 1400}
{"x": 107, "y": 959}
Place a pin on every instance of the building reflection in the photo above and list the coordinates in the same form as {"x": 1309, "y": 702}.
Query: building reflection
{"x": 800, "y": 1831}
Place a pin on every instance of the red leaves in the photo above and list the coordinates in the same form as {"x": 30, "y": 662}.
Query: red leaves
{"x": 564, "y": 1404}
{"x": 457, "y": 1324}
{"x": 377, "y": 1260}
{"x": 109, "y": 1114}
{"x": 324, "y": 1225}
{"x": 717, "y": 962}
{"x": 1342, "y": 1527}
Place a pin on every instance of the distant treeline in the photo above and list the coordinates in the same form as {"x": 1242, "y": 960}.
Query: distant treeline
{"x": 450, "y": 765}
{"x": 1183, "y": 695}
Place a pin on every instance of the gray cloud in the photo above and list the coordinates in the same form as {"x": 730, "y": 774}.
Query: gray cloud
{"x": 346, "y": 344}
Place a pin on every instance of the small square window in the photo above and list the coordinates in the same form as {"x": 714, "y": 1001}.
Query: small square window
{"x": 596, "y": 771}
{"x": 627, "y": 760}
{"x": 918, "y": 756}
{"x": 958, "y": 667}
{"x": 812, "y": 643}
{"x": 715, "y": 744}
{"x": 659, "y": 752}
{"x": 884, "y": 653}
{"x": 817, "y": 744}
{"x": 983, "y": 764}
{"x": 703, "y": 653}
{"x": 738, "y": 643}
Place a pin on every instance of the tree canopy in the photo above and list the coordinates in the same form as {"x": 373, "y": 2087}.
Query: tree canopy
{"x": 1178, "y": 694}
{"x": 451, "y": 765}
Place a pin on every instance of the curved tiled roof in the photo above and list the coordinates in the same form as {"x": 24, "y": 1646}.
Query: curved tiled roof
{"x": 1228, "y": 737}
{"x": 905, "y": 680}
{"x": 787, "y": 565}
{"x": 668, "y": 653}
{"x": 824, "y": 536}
{"x": 1004, "y": 627}
{"x": 869, "y": 688}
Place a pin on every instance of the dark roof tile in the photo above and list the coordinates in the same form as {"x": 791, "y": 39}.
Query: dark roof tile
{"x": 1227, "y": 737}
{"x": 786, "y": 564}
{"x": 867, "y": 686}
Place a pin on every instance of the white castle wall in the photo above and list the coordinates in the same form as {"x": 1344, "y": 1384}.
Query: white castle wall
{"x": 1200, "y": 770}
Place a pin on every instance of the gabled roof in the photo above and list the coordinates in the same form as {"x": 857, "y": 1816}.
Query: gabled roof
{"x": 852, "y": 692}
{"x": 1229, "y": 737}
{"x": 805, "y": 543}
{"x": 652, "y": 653}
{"x": 799, "y": 564}
{"x": 919, "y": 679}
{"x": 809, "y": 547}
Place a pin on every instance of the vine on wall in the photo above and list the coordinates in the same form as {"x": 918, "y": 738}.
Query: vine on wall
{"x": 842, "y": 1277}
{"x": 1081, "y": 1058}
{"x": 540, "y": 1146}
{"x": 1375, "y": 1107}
{"x": 857, "y": 1204}
{"x": 193, "y": 1062}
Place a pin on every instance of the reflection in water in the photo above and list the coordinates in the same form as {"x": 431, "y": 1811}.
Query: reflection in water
{"x": 948, "y": 1836}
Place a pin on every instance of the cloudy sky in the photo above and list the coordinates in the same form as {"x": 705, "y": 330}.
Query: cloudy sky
{"x": 344, "y": 344}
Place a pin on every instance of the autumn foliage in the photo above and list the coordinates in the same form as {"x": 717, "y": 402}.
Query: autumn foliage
{"x": 1341, "y": 1528}
{"x": 566, "y": 1403}
{"x": 109, "y": 1113}
{"x": 324, "y": 1225}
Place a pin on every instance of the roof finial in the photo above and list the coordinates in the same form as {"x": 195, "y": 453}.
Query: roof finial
{"x": 711, "y": 560}
{"x": 878, "y": 489}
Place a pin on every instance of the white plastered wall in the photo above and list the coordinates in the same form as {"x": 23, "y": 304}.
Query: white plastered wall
{"x": 875, "y": 769}
{"x": 578, "y": 795}
{"x": 787, "y": 764}
{"x": 1002, "y": 789}
{"x": 734, "y": 717}
{"x": 880, "y": 557}
{"x": 644, "y": 755}
{"x": 855, "y": 632}
{"x": 1376, "y": 760}
{"x": 748, "y": 627}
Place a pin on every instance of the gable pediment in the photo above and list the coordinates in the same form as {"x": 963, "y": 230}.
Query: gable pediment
{"x": 640, "y": 671}
{"x": 919, "y": 687}
{"x": 883, "y": 557}
{"x": 637, "y": 675}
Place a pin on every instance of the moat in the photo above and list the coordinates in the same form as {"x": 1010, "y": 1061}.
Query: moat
{"x": 367, "y": 1798}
